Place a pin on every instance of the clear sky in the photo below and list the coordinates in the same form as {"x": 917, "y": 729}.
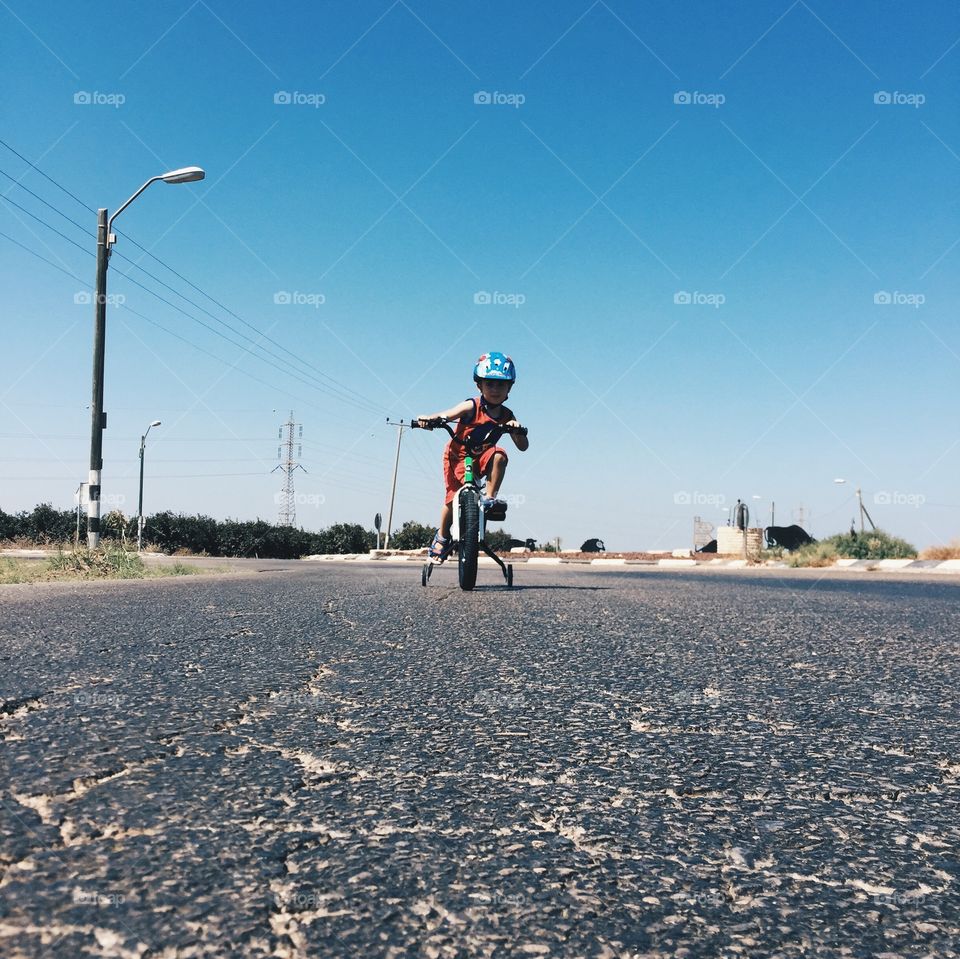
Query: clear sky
{"x": 720, "y": 242}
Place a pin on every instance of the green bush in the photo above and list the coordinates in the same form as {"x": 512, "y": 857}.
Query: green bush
{"x": 874, "y": 544}
{"x": 43, "y": 525}
{"x": 499, "y": 540}
{"x": 412, "y": 536}
{"x": 174, "y": 532}
{"x": 343, "y": 538}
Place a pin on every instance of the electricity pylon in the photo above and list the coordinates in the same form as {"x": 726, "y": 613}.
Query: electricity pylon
{"x": 288, "y": 499}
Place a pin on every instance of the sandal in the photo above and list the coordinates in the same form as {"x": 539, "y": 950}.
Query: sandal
{"x": 439, "y": 548}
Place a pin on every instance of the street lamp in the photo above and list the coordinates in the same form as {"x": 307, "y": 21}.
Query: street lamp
{"x": 98, "y": 419}
{"x": 863, "y": 509}
{"x": 143, "y": 441}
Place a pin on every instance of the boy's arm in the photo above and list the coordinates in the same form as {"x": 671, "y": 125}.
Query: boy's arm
{"x": 454, "y": 413}
{"x": 520, "y": 441}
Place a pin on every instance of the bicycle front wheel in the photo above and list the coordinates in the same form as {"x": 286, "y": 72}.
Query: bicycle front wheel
{"x": 469, "y": 539}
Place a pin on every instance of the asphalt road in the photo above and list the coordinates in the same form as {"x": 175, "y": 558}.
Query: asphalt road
{"x": 327, "y": 759}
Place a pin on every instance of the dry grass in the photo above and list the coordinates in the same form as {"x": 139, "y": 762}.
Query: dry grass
{"x": 950, "y": 551}
{"x": 82, "y": 564}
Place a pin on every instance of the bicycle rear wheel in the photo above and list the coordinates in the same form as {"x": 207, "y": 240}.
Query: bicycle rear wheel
{"x": 469, "y": 539}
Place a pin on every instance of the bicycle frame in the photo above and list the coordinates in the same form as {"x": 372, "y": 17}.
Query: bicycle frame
{"x": 467, "y": 546}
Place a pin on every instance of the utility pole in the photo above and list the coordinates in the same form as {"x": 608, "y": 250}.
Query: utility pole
{"x": 288, "y": 499}
{"x": 98, "y": 419}
{"x": 863, "y": 512}
{"x": 401, "y": 426}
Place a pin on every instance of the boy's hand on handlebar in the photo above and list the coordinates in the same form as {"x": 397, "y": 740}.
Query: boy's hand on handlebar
{"x": 428, "y": 422}
{"x": 512, "y": 426}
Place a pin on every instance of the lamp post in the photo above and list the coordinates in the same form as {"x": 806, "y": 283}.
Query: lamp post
{"x": 98, "y": 419}
{"x": 143, "y": 443}
{"x": 863, "y": 509}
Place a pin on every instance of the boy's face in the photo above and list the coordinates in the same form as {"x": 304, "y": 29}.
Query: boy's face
{"x": 494, "y": 391}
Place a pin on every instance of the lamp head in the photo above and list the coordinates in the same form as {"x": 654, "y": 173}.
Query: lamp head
{"x": 155, "y": 423}
{"x": 185, "y": 174}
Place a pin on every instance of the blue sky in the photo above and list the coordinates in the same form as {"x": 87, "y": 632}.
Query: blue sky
{"x": 723, "y": 268}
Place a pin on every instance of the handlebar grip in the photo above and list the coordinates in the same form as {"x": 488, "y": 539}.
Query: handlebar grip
{"x": 414, "y": 423}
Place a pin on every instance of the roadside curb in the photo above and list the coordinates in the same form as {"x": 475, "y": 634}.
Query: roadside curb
{"x": 841, "y": 566}
{"x": 940, "y": 567}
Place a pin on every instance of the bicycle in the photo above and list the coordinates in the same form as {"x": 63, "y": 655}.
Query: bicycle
{"x": 471, "y": 517}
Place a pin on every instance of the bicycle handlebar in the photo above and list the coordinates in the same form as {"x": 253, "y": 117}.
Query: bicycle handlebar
{"x": 440, "y": 422}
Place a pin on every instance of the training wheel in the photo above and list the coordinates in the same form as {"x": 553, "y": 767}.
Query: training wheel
{"x": 425, "y": 574}
{"x": 509, "y": 575}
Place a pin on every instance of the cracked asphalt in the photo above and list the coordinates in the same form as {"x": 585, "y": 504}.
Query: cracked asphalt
{"x": 330, "y": 760}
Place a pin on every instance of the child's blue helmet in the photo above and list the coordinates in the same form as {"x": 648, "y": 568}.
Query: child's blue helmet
{"x": 495, "y": 366}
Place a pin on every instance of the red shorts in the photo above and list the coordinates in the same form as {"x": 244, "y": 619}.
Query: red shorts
{"x": 454, "y": 468}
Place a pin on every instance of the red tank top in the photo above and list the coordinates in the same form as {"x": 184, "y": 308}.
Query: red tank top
{"x": 478, "y": 430}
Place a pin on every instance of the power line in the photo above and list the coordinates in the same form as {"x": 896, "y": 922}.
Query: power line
{"x": 366, "y": 405}
{"x": 226, "y": 309}
{"x": 320, "y": 387}
{"x": 50, "y": 178}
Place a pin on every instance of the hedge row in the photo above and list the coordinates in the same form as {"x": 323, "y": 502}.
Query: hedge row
{"x": 171, "y": 532}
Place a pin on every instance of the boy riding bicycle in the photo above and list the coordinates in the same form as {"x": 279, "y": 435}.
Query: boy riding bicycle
{"x": 480, "y": 422}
